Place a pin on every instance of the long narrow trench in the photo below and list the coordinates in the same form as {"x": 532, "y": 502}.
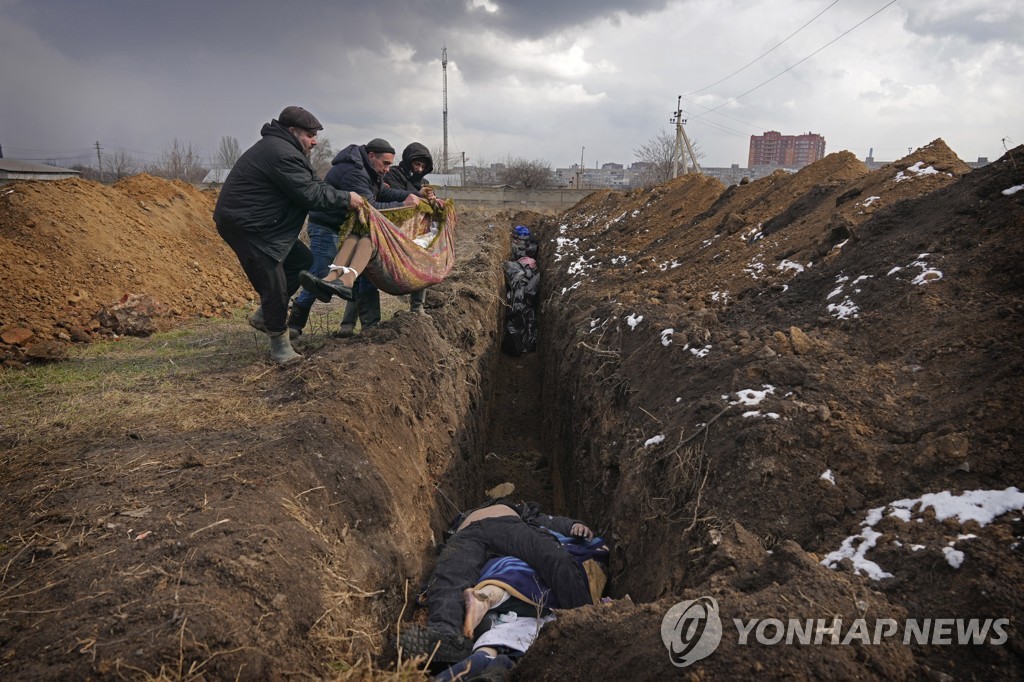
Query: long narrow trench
{"x": 513, "y": 451}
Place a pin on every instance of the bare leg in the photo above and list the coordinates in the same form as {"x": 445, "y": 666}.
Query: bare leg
{"x": 354, "y": 254}
{"x": 478, "y": 603}
{"x": 345, "y": 251}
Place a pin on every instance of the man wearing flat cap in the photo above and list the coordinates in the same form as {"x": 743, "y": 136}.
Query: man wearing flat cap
{"x": 358, "y": 168}
{"x": 260, "y": 213}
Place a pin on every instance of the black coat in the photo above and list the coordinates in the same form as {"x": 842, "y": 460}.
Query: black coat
{"x": 269, "y": 191}
{"x": 401, "y": 176}
{"x": 351, "y": 171}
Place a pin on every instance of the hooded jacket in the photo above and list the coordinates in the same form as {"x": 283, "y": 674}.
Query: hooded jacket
{"x": 351, "y": 171}
{"x": 402, "y": 176}
{"x": 269, "y": 191}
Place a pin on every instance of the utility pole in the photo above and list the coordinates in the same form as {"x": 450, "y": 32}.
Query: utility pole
{"x": 99, "y": 160}
{"x": 444, "y": 69}
{"x": 681, "y": 140}
{"x": 463, "y": 169}
{"x": 579, "y": 173}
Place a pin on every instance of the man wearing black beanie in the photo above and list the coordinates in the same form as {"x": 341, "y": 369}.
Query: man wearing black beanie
{"x": 359, "y": 169}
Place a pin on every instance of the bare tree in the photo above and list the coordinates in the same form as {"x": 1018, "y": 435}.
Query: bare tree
{"x": 121, "y": 165}
{"x": 454, "y": 164}
{"x": 655, "y": 158}
{"x": 85, "y": 172}
{"x": 228, "y": 152}
{"x": 179, "y": 161}
{"x": 480, "y": 174}
{"x": 525, "y": 173}
{"x": 322, "y": 156}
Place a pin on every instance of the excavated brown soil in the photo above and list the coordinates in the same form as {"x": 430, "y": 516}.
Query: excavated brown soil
{"x": 879, "y": 313}
{"x": 75, "y": 248}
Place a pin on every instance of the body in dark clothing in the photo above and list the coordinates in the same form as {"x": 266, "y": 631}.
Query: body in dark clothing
{"x": 260, "y": 212}
{"x": 520, "y": 534}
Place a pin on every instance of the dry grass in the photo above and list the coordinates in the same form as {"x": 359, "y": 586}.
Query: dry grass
{"x": 133, "y": 387}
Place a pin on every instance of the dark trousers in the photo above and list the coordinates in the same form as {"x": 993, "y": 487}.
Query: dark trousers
{"x": 467, "y": 551}
{"x": 366, "y": 306}
{"x": 417, "y": 300}
{"x": 274, "y": 281}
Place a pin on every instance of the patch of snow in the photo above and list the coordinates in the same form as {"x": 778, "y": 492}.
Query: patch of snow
{"x": 845, "y": 310}
{"x": 758, "y": 413}
{"x": 1010, "y": 191}
{"x": 954, "y": 557}
{"x": 787, "y": 264}
{"x": 666, "y": 336}
{"x": 929, "y": 275}
{"x": 901, "y": 514}
{"x": 918, "y": 169}
{"x": 749, "y": 396}
{"x": 980, "y": 506}
{"x": 861, "y": 564}
{"x": 754, "y": 268}
{"x": 701, "y": 352}
{"x": 654, "y": 440}
{"x": 828, "y": 476}
{"x": 633, "y": 320}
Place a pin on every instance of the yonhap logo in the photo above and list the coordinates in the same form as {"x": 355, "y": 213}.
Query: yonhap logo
{"x": 691, "y": 630}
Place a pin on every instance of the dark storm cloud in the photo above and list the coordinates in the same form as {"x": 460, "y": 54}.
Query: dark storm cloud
{"x": 185, "y": 29}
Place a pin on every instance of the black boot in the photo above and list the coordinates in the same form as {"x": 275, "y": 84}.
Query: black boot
{"x": 297, "y": 321}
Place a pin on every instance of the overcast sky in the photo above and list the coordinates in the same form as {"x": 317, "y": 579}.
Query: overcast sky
{"x": 537, "y": 79}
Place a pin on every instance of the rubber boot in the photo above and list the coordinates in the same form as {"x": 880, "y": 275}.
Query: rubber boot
{"x": 297, "y": 321}
{"x": 281, "y": 349}
{"x": 256, "y": 321}
{"x": 417, "y": 301}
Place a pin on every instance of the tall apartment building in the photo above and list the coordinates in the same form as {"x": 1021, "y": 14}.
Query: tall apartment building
{"x": 788, "y": 151}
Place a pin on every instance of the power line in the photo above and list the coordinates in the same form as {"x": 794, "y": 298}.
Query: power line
{"x": 707, "y": 87}
{"x": 892, "y": 2}
{"x": 698, "y": 117}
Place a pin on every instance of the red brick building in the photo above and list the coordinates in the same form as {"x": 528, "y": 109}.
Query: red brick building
{"x": 790, "y": 151}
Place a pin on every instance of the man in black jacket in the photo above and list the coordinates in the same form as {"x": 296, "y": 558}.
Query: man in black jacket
{"x": 416, "y": 163}
{"x": 260, "y": 212}
{"x": 498, "y": 528}
{"x": 359, "y": 169}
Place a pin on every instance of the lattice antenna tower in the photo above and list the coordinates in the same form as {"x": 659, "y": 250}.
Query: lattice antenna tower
{"x": 682, "y": 141}
{"x": 444, "y": 70}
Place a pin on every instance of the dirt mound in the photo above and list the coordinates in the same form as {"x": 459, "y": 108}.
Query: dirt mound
{"x": 73, "y": 247}
{"x": 810, "y": 348}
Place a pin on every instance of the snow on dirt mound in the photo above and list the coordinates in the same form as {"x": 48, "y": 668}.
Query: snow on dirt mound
{"x": 745, "y": 386}
{"x": 74, "y": 246}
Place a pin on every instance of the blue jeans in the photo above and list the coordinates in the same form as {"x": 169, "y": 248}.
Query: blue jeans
{"x": 324, "y": 244}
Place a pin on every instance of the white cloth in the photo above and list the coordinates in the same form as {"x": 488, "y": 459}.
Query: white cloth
{"x": 515, "y": 632}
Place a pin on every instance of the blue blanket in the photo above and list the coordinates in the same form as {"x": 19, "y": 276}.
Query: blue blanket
{"x": 521, "y": 581}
